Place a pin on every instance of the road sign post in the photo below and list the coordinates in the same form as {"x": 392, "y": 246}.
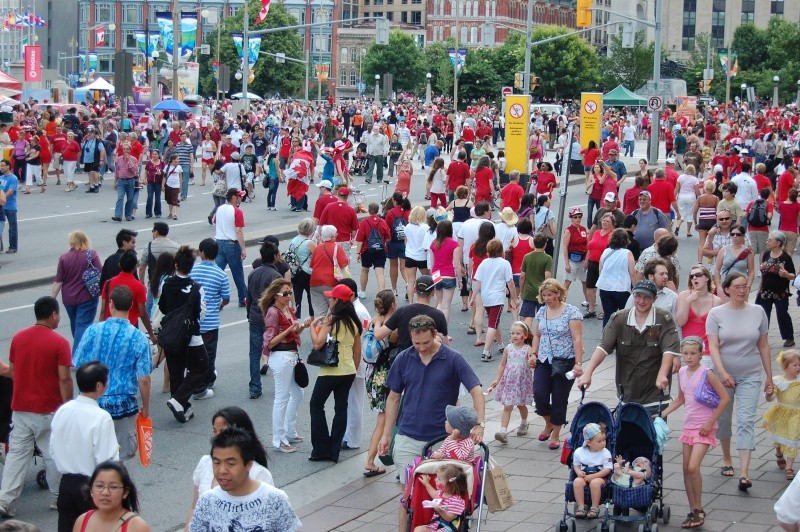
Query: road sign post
{"x": 505, "y": 91}
{"x": 654, "y": 103}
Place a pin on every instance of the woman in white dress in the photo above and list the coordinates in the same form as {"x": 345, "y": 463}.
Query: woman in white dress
{"x": 686, "y": 190}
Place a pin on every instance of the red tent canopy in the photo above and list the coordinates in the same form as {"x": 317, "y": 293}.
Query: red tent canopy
{"x": 8, "y": 82}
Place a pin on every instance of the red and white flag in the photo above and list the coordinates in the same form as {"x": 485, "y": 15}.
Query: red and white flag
{"x": 100, "y": 36}
{"x": 264, "y": 10}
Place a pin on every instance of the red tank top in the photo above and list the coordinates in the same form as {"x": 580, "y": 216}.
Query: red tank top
{"x": 123, "y": 528}
{"x": 518, "y": 253}
{"x": 578, "y": 238}
{"x": 696, "y": 326}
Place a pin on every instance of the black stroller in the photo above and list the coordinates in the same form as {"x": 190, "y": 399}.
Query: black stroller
{"x": 591, "y": 412}
{"x": 360, "y": 159}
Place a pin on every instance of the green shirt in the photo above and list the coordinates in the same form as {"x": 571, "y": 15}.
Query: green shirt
{"x": 534, "y": 265}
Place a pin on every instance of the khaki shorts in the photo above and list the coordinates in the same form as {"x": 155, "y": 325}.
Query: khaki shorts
{"x": 405, "y": 451}
{"x": 578, "y": 272}
{"x": 126, "y": 437}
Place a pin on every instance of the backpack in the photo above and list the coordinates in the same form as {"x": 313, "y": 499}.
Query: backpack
{"x": 151, "y": 261}
{"x": 176, "y": 327}
{"x": 398, "y": 229}
{"x": 423, "y": 137}
{"x": 371, "y": 347}
{"x": 374, "y": 239}
{"x": 290, "y": 256}
{"x": 757, "y": 217}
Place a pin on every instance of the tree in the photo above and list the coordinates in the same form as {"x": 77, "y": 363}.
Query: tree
{"x": 401, "y": 58}
{"x": 437, "y": 62}
{"x": 631, "y": 67}
{"x": 270, "y": 77}
{"x": 566, "y": 66}
{"x": 750, "y": 44}
{"x": 510, "y": 57}
{"x": 479, "y": 79}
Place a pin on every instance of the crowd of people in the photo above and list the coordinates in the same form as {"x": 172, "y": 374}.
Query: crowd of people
{"x": 624, "y": 256}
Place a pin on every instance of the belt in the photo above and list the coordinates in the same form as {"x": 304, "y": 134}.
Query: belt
{"x": 226, "y": 240}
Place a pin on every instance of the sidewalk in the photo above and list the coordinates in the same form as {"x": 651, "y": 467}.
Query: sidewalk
{"x": 537, "y": 478}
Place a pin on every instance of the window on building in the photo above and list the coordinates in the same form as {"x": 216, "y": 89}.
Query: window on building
{"x": 295, "y": 13}
{"x": 689, "y": 25}
{"x": 129, "y": 39}
{"x": 132, "y": 13}
{"x": 390, "y": 2}
{"x": 390, "y": 15}
{"x": 104, "y": 13}
{"x": 404, "y": 17}
{"x": 463, "y": 36}
{"x": 353, "y": 78}
{"x": 366, "y": 2}
{"x": 84, "y": 14}
{"x": 344, "y": 55}
{"x": 354, "y": 55}
{"x": 342, "y": 77}
{"x": 378, "y": 2}
{"x": 718, "y": 23}
{"x": 416, "y": 17}
{"x": 105, "y": 65}
{"x": 235, "y": 10}
{"x": 776, "y": 7}
{"x": 473, "y": 34}
{"x": 416, "y": 1}
{"x": 377, "y": 14}
{"x": 155, "y": 8}
{"x": 748, "y": 11}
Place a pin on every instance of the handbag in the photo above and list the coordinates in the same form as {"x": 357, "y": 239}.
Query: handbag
{"x": 326, "y": 356}
{"x": 705, "y": 394}
{"x": 300, "y": 373}
{"x": 497, "y": 491}
{"x": 91, "y": 276}
{"x": 559, "y": 367}
{"x": 371, "y": 347}
{"x": 339, "y": 273}
{"x": 576, "y": 256}
{"x": 220, "y": 186}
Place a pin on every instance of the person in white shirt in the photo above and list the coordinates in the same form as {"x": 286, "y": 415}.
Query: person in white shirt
{"x": 236, "y": 135}
{"x": 747, "y": 189}
{"x": 628, "y": 138}
{"x": 657, "y": 270}
{"x": 82, "y": 437}
{"x": 239, "y": 502}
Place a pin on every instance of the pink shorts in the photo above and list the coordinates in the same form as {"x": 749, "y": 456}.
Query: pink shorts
{"x": 692, "y": 436}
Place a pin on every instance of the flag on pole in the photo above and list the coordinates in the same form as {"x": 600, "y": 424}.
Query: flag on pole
{"x": 264, "y": 10}
{"x": 100, "y": 36}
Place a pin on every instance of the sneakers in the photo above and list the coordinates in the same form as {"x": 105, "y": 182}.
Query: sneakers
{"x": 255, "y": 395}
{"x": 502, "y": 437}
{"x": 522, "y": 430}
{"x": 286, "y": 448}
{"x": 486, "y": 357}
{"x": 177, "y": 410}
{"x": 206, "y": 394}
{"x": 584, "y": 303}
{"x": 189, "y": 414}
{"x": 500, "y": 348}
{"x": 7, "y": 510}
{"x": 297, "y": 439}
{"x": 362, "y": 295}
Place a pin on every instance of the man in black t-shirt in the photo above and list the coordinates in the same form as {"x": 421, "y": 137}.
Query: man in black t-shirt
{"x": 399, "y": 320}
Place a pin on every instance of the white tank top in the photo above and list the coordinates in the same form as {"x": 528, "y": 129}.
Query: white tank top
{"x": 208, "y": 151}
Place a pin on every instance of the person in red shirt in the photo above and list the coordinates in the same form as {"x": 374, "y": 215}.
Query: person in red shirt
{"x": 401, "y": 208}
{"x": 127, "y": 266}
{"x": 610, "y": 144}
{"x": 670, "y": 173}
{"x": 711, "y": 134}
{"x": 70, "y": 155}
{"x": 226, "y": 149}
{"x": 484, "y": 180}
{"x": 175, "y": 133}
{"x": 662, "y": 193}
{"x": 40, "y": 361}
{"x": 546, "y": 180}
{"x": 511, "y": 194}
{"x": 458, "y": 174}
{"x": 343, "y": 217}
{"x": 763, "y": 181}
{"x": 58, "y": 140}
{"x": 484, "y": 132}
{"x": 372, "y": 254}
{"x": 326, "y": 197}
{"x": 468, "y": 134}
{"x": 786, "y": 181}
{"x": 630, "y": 200}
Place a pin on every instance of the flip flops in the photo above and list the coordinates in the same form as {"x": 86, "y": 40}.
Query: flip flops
{"x": 369, "y": 473}
{"x": 726, "y": 471}
{"x": 744, "y": 484}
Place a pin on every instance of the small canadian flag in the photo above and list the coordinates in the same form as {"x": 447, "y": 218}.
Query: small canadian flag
{"x": 100, "y": 36}
{"x": 264, "y": 10}
{"x": 436, "y": 276}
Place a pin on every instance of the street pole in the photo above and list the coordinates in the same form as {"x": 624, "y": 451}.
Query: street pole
{"x": 377, "y": 90}
{"x": 562, "y": 201}
{"x": 308, "y": 70}
{"x": 728, "y": 78}
{"x": 455, "y": 64}
{"x": 798, "y": 95}
{"x": 775, "y": 81}
{"x": 526, "y": 78}
{"x": 246, "y": 57}
{"x": 176, "y": 47}
{"x": 654, "y": 129}
{"x": 219, "y": 36}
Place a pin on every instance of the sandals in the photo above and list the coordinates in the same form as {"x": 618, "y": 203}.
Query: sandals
{"x": 544, "y": 436}
{"x": 580, "y": 513}
{"x": 695, "y": 519}
{"x": 726, "y": 471}
{"x": 594, "y": 513}
{"x": 744, "y": 484}
{"x": 780, "y": 459}
{"x": 471, "y": 330}
{"x": 790, "y": 474}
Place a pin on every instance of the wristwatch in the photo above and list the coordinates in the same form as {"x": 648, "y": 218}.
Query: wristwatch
{"x": 482, "y": 425}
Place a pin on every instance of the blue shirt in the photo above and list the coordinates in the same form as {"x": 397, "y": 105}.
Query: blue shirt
{"x": 329, "y": 169}
{"x": 427, "y": 390}
{"x": 126, "y": 351}
{"x": 10, "y": 182}
{"x": 619, "y": 168}
{"x": 431, "y": 153}
{"x": 88, "y": 150}
{"x": 215, "y": 289}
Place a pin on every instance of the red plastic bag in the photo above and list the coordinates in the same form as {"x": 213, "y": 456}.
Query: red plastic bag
{"x": 144, "y": 431}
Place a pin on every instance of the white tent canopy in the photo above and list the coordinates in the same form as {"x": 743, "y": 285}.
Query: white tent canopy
{"x": 250, "y": 96}
{"x": 99, "y": 84}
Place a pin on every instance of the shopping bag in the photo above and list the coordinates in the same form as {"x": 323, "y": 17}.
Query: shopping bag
{"x": 497, "y": 493}
{"x": 144, "y": 431}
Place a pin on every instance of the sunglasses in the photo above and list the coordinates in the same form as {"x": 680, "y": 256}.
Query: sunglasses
{"x": 283, "y": 294}
{"x": 737, "y": 234}
{"x": 696, "y": 275}
{"x": 576, "y": 216}
{"x": 723, "y": 219}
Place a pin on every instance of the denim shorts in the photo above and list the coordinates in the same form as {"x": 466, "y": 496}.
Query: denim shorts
{"x": 528, "y": 309}
{"x": 447, "y": 283}
{"x": 396, "y": 250}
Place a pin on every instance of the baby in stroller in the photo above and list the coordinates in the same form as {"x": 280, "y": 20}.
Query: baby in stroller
{"x": 458, "y": 445}
{"x": 359, "y": 166}
{"x": 629, "y": 474}
{"x": 592, "y": 466}
{"x": 447, "y": 498}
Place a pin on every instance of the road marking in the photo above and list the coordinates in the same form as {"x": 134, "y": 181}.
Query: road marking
{"x": 56, "y": 216}
{"x": 15, "y": 308}
{"x": 231, "y": 324}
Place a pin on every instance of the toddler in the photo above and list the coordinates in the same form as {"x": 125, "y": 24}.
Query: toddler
{"x": 592, "y": 465}
{"x": 447, "y": 498}
{"x": 458, "y": 444}
{"x": 783, "y": 419}
{"x": 627, "y": 474}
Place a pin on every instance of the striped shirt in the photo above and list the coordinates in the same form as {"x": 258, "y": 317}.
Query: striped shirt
{"x": 215, "y": 288}
{"x": 185, "y": 151}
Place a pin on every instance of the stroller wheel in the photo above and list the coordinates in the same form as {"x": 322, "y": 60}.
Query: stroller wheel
{"x": 41, "y": 479}
{"x": 572, "y": 524}
{"x": 612, "y": 526}
{"x": 601, "y": 527}
{"x": 665, "y": 514}
{"x": 652, "y": 513}
{"x": 640, "y": 528}
{"x": 654, "y": 528}
{"x": 561, "y": 526}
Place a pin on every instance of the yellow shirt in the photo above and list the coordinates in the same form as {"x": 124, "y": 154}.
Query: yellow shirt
{"x": 346, "y": 365}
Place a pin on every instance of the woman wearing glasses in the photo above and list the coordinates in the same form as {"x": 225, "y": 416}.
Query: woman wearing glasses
{"x": 114, "y": 495}
{"x": 693, "y": 307}
{"x": 281, "y": 342}
{"x": 737, "y": 341}
{"x": 736, "y": 257}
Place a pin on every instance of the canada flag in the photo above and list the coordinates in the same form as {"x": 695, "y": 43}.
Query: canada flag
{"x": 100, "y": 36}
{"x": 264, "y": 10}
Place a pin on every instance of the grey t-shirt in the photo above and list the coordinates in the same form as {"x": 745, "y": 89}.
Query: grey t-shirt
{"x": 738, "y": 332}
{"x": 646, "y": 225}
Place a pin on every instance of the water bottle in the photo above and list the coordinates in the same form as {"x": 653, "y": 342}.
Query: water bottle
{"x": 570, "y": 375}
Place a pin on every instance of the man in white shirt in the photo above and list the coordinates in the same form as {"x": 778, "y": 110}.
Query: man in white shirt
{"x": 467, "y": 236}
{"x": 747, "y": 189}
{"x": 82, "y": 437}
{"x": 628, "y": 138}
{"x": 229, "y": 221}
{"x": 236, "y": 135}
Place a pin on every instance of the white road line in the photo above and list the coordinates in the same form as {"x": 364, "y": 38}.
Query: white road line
{"x": 231, "y": 324}
{"x": 15, "y": 308}
{"x": 56, "y": 216}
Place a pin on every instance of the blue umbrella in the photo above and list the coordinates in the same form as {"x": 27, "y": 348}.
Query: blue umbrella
{"x": 171, "y": 105}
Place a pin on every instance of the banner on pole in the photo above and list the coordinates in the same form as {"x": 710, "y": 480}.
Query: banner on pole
{"x": 100, "y": 36}
{"x": 33, "y": 63}
{"x": 591, "y": 117}
{"x": 461, "y": 57}
{"x": 517, "y": 125}
{"x": 723, "y": 60}
{"x": 322, "y": 70}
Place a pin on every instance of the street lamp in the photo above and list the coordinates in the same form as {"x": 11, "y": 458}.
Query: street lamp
{"x": 428, "y": 89}
{"x": 238, "y": 75}
{"x": 377, "y": 90}
{"x": 206, "y": 14}
{"x": 775, "y": 80}
{"x": 741, "y": 93}
{"x": 797, "y": 103}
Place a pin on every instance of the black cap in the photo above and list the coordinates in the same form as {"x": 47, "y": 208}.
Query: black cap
{"x": 646, "y": 287}
{"x": 424, "y": 283}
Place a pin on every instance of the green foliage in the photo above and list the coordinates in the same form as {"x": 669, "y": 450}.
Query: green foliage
{"x": 401, "y": 57}
{"x": 631, "y": 67}
{"x": 479, "y": 79}
{"x": 750, "y": 43}
{"x": 566, "y": 66}
{"x": 437, "y": 62}
{"x": 270, "y": 77}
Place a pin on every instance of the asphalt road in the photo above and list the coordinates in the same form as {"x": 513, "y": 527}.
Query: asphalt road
{"x": 165, "y": 488}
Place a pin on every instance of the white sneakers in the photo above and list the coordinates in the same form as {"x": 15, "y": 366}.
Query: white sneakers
{"x": 208, "y": 393}
{"x": 177, "y": 410}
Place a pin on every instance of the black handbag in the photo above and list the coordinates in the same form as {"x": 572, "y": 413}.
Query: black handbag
{"x": 300, "y": 374}
{"x": 559, "y": 367}
{"x": 325, "y": 357}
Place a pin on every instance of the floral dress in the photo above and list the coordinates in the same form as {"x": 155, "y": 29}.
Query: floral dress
{"x": 376, "y": 375}
{"x": 783, "y": 418}
{"x": 516, "y": 384}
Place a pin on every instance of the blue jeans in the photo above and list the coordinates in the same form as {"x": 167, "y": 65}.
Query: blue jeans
{"x": 628, "y": 147}
{"x": 81, "y": 316}
{"x": 256, "y": 342}
{"x": 272, "y": 190}
{"x": 187, "y": 169}
{"x": 302, "y": 203}
{"x": 13, "y": 236}
{"x": 591, "y": 205}
{"x": 230, "y": 254}
{"x": 125, "y": 190}
{"x": 153, "y": 205}
{"x": 612, "y": 302}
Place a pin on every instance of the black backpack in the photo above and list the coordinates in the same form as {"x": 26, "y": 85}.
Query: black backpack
{"x": 176, "y": 327}
{"x": 374, "y": 238}
{"x": 757, "y": 217}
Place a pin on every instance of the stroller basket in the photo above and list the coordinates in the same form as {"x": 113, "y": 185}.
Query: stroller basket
{"x": 633, "y": 496}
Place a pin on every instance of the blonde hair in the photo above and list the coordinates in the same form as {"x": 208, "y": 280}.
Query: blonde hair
{"x": 79, "y": 241}
{"x": 552, "y": 285}
{"x": 787, "y": 357}
{"x": 417, "y": 216}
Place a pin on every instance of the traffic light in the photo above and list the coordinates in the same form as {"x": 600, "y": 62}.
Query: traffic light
{"x": 381, "y": 31}
{"x": 704, "y": 85}
{"x": 518, "y": 84}
{"x": 707, "y": 86}
{"x": 534, "y": 83}
{"x": 583, "y": 14}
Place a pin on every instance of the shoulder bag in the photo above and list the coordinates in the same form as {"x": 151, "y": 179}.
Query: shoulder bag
{"x": 300, "y": 373}
{"x": 559, "y": 367}
{"x": 704, "y": 393}
{"x": 91, "y": 276}
{"x": 177, "y": 325}
{"x": 220, "y": 186}
{"x": 326, "y": 356}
